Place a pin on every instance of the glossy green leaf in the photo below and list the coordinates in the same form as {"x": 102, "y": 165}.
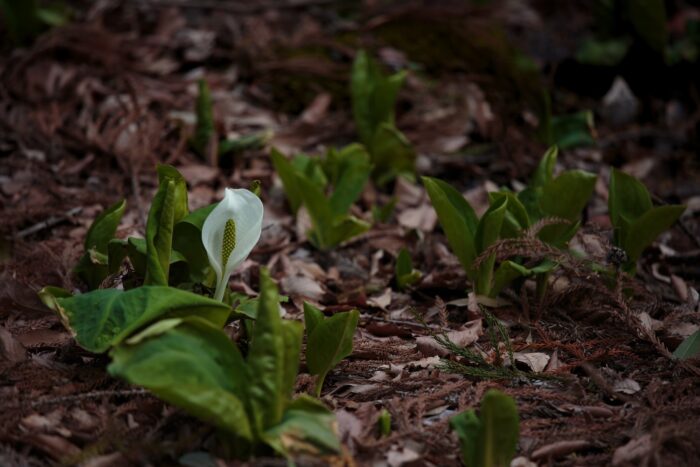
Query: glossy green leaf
{"x": 467, "y": 426}
{"x": 545, "y": 169}
{"x": 169, "y": 206}
{"x": 350, "y": 171}
{"x": 643, "y": 231}
{"x": 628, "y": 199}
{"x": 307, "y": 427}
{"x": 405, "y": 274}
{"x": 489, "y": 440}
{"x": 689, "y": 348}
{"x": 49, "y": 294}
{"x": 288, "y": 175}
{"x": 90, "y": 269}
{"x": 244, "y": 143}
{"x": 192, "y": 364}
{"x": 516, "y": 219}
{"x": 565, "y": 197}
{"x": 187, "y": 241}
{"x": 102, "y": 318}
{"x": 487, "y": 233}
{"x": 457, "y": 218}
{"x": 329, "y": 342}
{"x": 266, "y": 359}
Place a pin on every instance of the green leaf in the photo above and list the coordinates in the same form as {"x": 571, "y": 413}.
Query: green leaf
{"x": 689, "y": 348}
{"x": 187, "y": 240}
{"x": 350, "y": 171}
{"x": 345, "y": 229}
{"x": 628, "y": 199}
{"x": 545, "y": 169}
{"x": 89, "y": 269}
{"x": 103, "y": 318}
{"x": 329, "y": 342}
{"x": 574, "y": 130}
{"x": 489, "y": 440}
{"x": 468, "y": 426}
{"x": 643, "y": 231}
{"x": 49, "y": 294}
{"x": 487, "y": 233}
{"x": 266, "y": 360}
{"x": 192, "y": 364}
{"x": 383, "y": 213}
{"x": 169, "y": 206}
{"x": 392, "y": 154}
{"x": 565, "y": 197}
{"x": 457, "y": 219}
{"x": 405, "y": 274}
{"x": 373, "y": 95}
{"x": 204, "y": 128}
{"x": 292, "y": 334}
{"x": 307, "y": 427}
{"x": 244, "y": 143}
{"x": 516, "y": 219}
{"x": 384, "y": 421}
{"x": 500, "y": 429}
{"x": 312, "y": 318}
{"x": 288, "y": 175}
{"x": 506, "y": 273}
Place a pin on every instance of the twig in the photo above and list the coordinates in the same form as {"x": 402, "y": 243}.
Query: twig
{"x": 48, "y": 223}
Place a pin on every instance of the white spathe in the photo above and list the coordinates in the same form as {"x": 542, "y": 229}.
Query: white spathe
{"x": 245, "y": 209}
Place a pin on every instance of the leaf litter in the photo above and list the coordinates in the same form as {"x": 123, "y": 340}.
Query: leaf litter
{"x": 81, "y": 124}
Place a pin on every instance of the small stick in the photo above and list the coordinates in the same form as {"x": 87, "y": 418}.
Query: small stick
{"x": 48, "y": 223}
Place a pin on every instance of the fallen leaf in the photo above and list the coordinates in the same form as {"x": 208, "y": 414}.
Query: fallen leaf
{"x": 633, "y": 450}
{"x": 535, "y": 361}
{"x": 469, "y": 334}
{"x": 560, "y": 449}
{"x": 627, "y": 386}
{"x": 10, "y": 348}
{"x": 301, "y": 286}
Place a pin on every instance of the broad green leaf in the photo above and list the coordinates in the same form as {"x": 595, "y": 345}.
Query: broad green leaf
{"x": 169, "y": 206}
{"x": 204, "y": 129}
{"x": 311, "y": 168}
{"x": 392, "y": 154}
{"x": 574, "y": 130}
{"x": 102, "y": 318}
{"x": 383, "y": 213}
{"x": 288, "y": 175}
{"x": 498, "y": 437}
{"x": 292, "y": 335}
{"x": 565, "y": 197}
{"x": 312, "y": 318}
{"x": 457, "y": 219}
{"x": 49, "y": 294}
{"x": 628, "y": 199}
{"x": 487, "y": 233}
{"x": 468, "y": 426}
{"x": 689, "y": 348}
{"x": 329, "y": 342}
{"x": 506, "y": 273}
{"x": 516, "y": 219}
{"x": 307, "y": 427}
{"x": 266, "y": 360}
{"x": 351, "y": 167}
{"x": 319, "y": 210}
{"x": 187, "y": 240}
{"x": 545, "y": 169}
{"x": 373, "y": 95}
{"x": 643, "y": 231}
{"x": 405, "y": 274}
{"x": 345, "y": 229}
{"x": 384, "y": 422}
{"x": 102, "y": 230}
{"x": 191, "y": 364}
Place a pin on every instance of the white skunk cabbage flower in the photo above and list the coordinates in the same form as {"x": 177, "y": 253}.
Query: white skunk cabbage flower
{"x": 230, "y": 232}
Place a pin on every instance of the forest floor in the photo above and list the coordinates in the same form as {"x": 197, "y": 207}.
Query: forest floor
{"x": 89, "y": 108}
